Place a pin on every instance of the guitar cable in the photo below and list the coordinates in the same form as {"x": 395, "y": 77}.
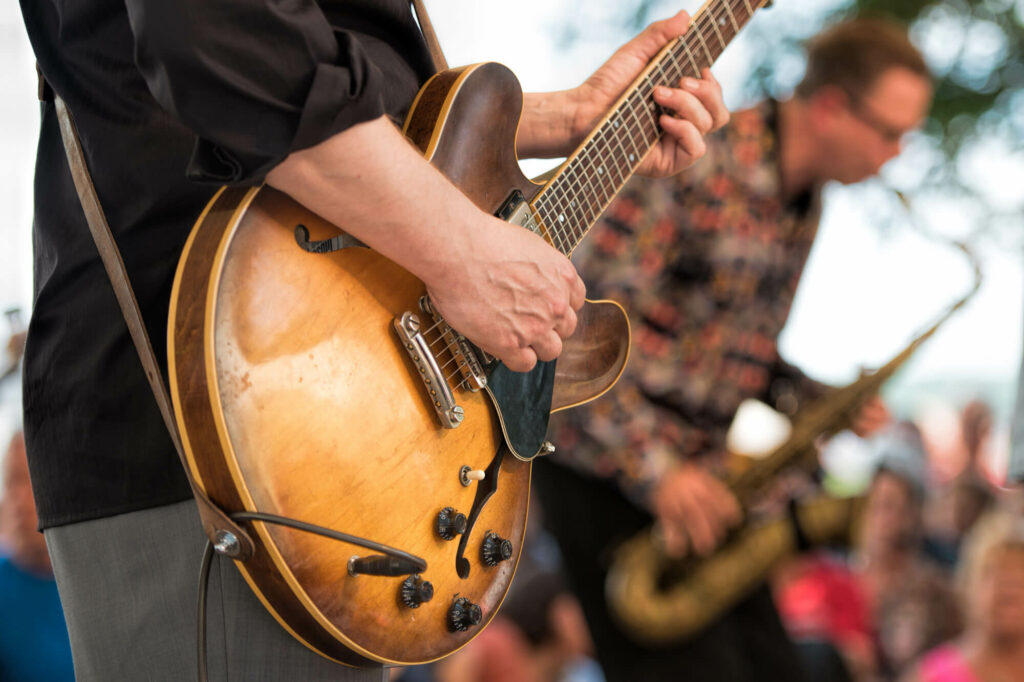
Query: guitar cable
{"x": 208, "y": 552}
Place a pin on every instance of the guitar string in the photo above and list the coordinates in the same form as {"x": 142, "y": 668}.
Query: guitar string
{"x": 718, "y": 16}
{"x": 713, "y": 16}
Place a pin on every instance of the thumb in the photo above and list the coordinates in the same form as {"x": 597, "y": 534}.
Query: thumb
{"x": 675, "y": 540}
{"x": 650, "y": 41}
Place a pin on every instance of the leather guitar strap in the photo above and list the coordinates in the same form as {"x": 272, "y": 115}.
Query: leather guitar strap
{"x": 440, "y": 63}
{"x": 215, "y": 521}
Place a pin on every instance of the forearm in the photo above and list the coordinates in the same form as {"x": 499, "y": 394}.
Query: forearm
{"x": 373, "y": 184}
{"x": 505, "y": 288}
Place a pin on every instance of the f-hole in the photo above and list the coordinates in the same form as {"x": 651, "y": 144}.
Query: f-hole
{"x": 484, "y": 490}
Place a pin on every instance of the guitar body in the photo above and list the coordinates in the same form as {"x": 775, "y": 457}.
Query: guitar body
{"x": 296, "y": 397}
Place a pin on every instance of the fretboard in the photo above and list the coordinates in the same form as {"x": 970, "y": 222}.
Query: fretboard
{"x": 574, "y": 198}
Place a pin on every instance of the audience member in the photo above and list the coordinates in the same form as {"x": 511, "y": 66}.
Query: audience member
{"x": 33, "y": 637}
{"x": 991, "y": 648}
{"x": 539, "y": 635}
{"x": 888, "y": 603}
{"x": 959, "y": 503}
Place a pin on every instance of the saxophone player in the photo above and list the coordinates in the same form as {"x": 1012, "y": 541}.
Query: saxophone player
{"x": 707, "y": 266}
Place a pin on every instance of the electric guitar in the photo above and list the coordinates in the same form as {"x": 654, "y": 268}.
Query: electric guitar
{"x": 313, "y": 380}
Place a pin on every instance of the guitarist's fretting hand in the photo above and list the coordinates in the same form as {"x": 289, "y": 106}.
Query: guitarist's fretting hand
{"x": 697, "y": 103}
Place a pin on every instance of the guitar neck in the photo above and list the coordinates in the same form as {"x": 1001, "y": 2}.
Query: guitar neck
{"x": 586, "y": 183}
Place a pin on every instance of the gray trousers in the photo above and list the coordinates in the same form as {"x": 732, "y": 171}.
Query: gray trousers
{"x": 128, "y": 586}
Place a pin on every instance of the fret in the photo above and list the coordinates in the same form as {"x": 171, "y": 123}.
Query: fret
{"x": 714, "y": 25}
{"x": 597, "y": 176}
{"x": 605, "y": 151}
{"x": 564, "y": 224}
{"x": 555, "y": 227}
{"x": 735, "y": 26}
{"x": 555, "y": 231}
{"x": 607, "y": 186}
{"x": 670, "y": 58}
{"x": 580, "y": 218}
{"x": 696, "y": 69}
{"x": 711, "y": 59}
{"x": 617, "y": 158}
{"x": 586, "y": 190}
{"x": 632, "y": 158}
{"x": 573, "y": 200}
{"x": 649, "y": 124}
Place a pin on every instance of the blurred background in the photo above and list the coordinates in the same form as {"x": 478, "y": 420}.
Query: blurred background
{"x": 881, "y": 270}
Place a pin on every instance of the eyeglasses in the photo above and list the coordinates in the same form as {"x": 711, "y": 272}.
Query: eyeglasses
{"x": 888, "y": 132}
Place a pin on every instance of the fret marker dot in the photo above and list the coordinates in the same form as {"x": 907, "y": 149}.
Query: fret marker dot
{"x": 561, "y": 218}
{"x": 600, "y": 169}
{"x": 632, "y": 157}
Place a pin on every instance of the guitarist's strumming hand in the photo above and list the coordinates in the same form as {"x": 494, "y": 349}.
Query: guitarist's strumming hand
{"x": 501, "y": 286}
{"x": 555, "y": 123}
{"x": 528, "y": 294}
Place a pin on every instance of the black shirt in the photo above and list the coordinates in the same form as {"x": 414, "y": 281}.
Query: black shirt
{"x": 171, "y": 99}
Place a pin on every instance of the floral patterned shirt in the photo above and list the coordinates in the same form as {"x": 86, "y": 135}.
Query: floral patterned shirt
{"x": 706, "y": 264}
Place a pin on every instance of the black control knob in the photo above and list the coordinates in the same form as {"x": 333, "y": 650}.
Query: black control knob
{"x": 415, "y": 591}
{"x": 495, "y": 549}
{"x": 450, "y": 523}
{"x": 463, "y": 614}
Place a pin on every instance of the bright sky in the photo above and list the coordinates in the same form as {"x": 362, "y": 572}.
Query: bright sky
{"x": 865, "y": 290}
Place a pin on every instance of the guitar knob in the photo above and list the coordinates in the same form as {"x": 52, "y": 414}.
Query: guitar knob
{"x": 463, "y": 614}
{"x": 415, "y": 591}
{"x": 450, "y": 523}
{"x": 495, "y": 549}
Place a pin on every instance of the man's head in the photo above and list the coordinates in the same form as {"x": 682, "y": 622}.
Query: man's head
{"x": 865, "y": 87}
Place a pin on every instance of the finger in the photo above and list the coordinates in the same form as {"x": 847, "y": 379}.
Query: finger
{"x": 519, "y": 360}
{"x": 577, "y": 292}
{"x": 718, "y": 497}
{"x": 709, "y": 91}
{"x": 566, "y": 324}
{"x": 548, "y": 346}
{"x": 698, "y": 526}
{"x": 674, "y": 538}
{"x": 685, "y": 104}
{"x": 688, "y": 139}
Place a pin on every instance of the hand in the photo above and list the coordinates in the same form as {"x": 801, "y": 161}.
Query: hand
{"x": 694, "y": 510}
{"x": 515, "y": 296}
{"x": 506, "y": 289}
{"x": 872, "y": 416}
{"x": 697, "y": 103}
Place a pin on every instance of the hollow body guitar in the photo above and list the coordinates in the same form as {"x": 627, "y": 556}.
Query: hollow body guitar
{"x": 312, "y": 380}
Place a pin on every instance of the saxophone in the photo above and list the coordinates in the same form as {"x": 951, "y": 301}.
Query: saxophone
{"x": 658, "y": 599}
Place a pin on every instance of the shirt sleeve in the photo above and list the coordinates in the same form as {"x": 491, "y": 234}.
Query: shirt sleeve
{"x": 255, "y": 80}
